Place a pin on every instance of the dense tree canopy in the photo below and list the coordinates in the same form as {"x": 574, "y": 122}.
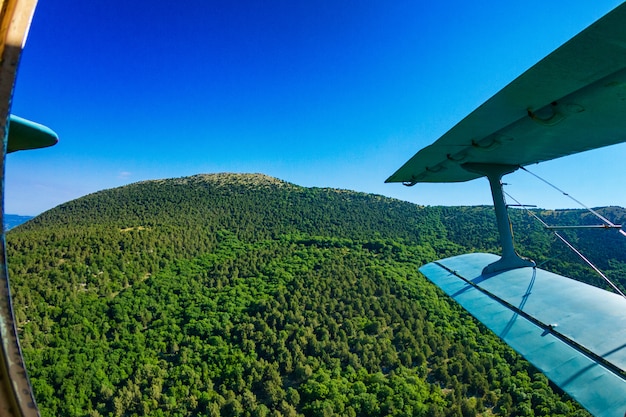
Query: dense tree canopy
{"x": 242, "y": 295}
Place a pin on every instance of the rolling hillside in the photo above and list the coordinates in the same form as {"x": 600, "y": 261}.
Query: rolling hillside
{"x": 243, "y": 295}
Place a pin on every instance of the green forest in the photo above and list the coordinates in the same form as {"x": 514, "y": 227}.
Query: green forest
{"x": 243, "y": 295}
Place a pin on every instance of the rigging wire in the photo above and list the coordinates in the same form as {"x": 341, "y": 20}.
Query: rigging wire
{"x": 569, "y": 245}
{"x": 598, "y": 215}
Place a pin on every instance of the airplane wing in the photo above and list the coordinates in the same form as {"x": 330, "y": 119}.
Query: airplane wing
{"x": 573, "y": 332}
{"x": 571, "y": 101}
{"x": 25, "y": 135}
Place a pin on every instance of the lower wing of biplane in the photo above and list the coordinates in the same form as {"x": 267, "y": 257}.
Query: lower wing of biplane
{"x": 571, "y": 101}
{"x": 573, "y": 332}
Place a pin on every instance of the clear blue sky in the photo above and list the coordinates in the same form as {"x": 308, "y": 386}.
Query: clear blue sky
{"x": 318, "y": 93}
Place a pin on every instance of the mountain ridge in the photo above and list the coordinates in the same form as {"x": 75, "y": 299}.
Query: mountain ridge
{"x": 230, "y": 179}
{"x": 240, "y": 294}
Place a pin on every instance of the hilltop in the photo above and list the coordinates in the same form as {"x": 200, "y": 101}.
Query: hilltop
{"x": 227, "y": 179}
{"x": 241, "y": 294}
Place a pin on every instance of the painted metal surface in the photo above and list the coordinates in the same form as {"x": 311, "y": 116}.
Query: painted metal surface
{"x": 571, "y": 101}
{"x": 25, "y": 134}
{"x": 573, "y": 332}
{"x": 510, "y": 259}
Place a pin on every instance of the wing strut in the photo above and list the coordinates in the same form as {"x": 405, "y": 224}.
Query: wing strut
{"x": 510, "y": 259}
{"x": 572, "y": 248}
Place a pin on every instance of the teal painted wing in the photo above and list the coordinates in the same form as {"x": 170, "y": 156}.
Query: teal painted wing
{"x": 571, "y": 101}
{"x": 25, "y": 135}
{"x": 573, "y": 332}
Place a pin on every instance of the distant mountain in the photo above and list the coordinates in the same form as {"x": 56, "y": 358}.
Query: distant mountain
{"x": 13, "y": 220}
{"x": 244, "y": 295}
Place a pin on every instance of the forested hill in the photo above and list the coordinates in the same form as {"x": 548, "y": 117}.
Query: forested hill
{"x": 243, "y": 295}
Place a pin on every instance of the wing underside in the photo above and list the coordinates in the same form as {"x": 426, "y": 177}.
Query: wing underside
{"x": 573, "y": 332}
{"x": 571, "y": 101}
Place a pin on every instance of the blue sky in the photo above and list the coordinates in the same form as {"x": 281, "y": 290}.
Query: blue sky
{"x": 324, "y": 93}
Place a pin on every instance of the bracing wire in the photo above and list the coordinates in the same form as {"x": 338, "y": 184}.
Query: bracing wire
{"x": 598, "y": 215}
{"x": 569, "y": 245}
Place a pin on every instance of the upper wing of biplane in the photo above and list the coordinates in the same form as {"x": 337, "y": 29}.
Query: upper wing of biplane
{"x": 571, "y": 101}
